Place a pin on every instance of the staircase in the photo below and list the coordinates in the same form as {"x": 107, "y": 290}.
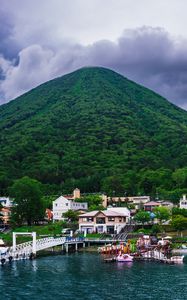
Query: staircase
{"x": 122, "y": 235}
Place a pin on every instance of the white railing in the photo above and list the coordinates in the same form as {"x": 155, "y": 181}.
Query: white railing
{"x": 40, "y": 244}
{"x": 45, "y": 243}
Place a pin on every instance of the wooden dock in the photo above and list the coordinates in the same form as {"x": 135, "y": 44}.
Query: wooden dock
{"x": 110, "y": 259}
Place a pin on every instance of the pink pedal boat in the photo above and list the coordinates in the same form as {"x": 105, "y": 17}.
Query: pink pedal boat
{"x": 124, "y": 258}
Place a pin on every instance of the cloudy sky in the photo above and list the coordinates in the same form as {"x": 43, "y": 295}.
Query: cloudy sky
{"x": 145, "y": 40}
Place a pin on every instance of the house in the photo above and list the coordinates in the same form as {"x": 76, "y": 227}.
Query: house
{"x": 5, "y": 215}
{"x": 5, "y": 212}
{"x": 6, "y": 202}
{"x": 137, "y": 201}
{"x": 183, "y": 202}
{"x": 49, "y": 214}
{"x": 106, "y": 221}
{"x": 63, "y": 204}
{"x": 149, "y": 206}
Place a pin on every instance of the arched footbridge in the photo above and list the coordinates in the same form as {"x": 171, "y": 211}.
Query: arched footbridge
{"x": 24, "y": 250}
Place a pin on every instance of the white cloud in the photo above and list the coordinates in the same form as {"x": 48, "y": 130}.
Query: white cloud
{"x": 31, "y": 70}
{"x": 147, "y": 55}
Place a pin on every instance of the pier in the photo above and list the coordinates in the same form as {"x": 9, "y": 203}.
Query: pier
{"x": 28, "y": 250}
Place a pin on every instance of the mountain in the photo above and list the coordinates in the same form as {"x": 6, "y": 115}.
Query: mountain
{"x": 92, "y": 129}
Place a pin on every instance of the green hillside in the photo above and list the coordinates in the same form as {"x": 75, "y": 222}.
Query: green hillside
{"x": 96, "y": 130}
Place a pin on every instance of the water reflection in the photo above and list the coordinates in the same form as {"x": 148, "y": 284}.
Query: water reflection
{"x": 86, "y": 276}
{"x": 34, "y": 265}
{"x": 122, "y": 265}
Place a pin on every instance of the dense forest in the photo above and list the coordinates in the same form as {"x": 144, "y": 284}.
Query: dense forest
{"x": 96, "y": 130}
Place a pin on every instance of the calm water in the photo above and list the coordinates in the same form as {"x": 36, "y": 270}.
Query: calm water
{"x": 85, "y": 276}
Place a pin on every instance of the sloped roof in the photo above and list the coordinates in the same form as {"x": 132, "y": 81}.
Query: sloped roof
{"x": 111, "y": 213}
{"x": 152, "y": 203}
{"x": 61, "y": 198}
{"x": 124, "y": 211}
{"x": 90, "y": 213}
{"x": 107, "y": 213}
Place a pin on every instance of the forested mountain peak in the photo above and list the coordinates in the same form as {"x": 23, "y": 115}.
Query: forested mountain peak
{"x": 93, "y": 129}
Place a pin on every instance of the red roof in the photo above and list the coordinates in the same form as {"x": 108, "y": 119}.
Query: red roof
{"x": 152, "y": 203}
{"x": 68, "y": 196}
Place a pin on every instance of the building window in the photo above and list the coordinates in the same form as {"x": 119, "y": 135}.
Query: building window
{"x": 90, "y": 219}
{"x": 100, "y": 220}
{"x": 110, "y": 229}
{"x": 66, "y": 204}
{"x": 100, "y": 229}
{"x": 111, "y": 219}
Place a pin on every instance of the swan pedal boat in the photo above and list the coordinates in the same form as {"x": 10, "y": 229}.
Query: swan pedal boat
{"x": 124, "y": 258}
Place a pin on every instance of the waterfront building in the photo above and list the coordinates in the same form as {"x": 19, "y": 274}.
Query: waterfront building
{"x": 65, "y": 203}
{"x": 106, "y": 221}
{"x": 183, "y": 202}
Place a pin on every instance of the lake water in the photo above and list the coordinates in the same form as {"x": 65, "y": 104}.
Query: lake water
{"x": 86, "y": 276}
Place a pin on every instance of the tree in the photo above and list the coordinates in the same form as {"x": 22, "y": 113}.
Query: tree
{"x": 71, "y": 215}
{"x": 161, "y": 213}
{"x": 28, "y": 206}
{"x": 113, "y": 184}
{"x": 151, "y": 180}
{"x": 180, "y": 177}
{"x": 179, "y": 211}
{"x": 142, "y": 216}
{"x": 179, "y": 223}
{"x": 172, "y": 194}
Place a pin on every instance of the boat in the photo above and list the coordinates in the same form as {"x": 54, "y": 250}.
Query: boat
{"x": 124, "y": 258}
{"x": 182, "y": 249}
{"x": 177, "y": 259}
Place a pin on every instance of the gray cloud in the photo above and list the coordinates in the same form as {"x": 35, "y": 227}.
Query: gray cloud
{"x": 150, "y": 56}
{"x": 8, "y": 45}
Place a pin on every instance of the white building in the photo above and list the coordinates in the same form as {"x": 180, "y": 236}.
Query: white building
{"x": 6, "y": 202}
{"x": 183, "y": 202}
{"x": 62, "y": 205}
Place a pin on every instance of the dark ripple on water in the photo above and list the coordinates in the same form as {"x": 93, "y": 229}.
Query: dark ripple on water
{"x": 84, "y": 276}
